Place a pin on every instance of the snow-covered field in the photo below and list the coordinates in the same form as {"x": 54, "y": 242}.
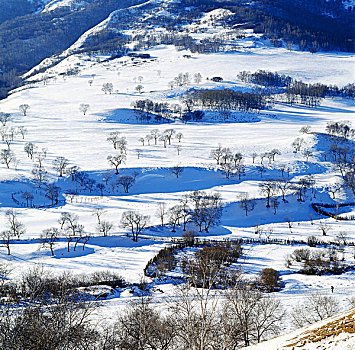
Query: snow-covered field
{"x": 55, "y": 123}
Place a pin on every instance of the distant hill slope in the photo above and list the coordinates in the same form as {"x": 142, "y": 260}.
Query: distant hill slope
{"x": 336, "y": 332}
{"x": 32, "y": 30}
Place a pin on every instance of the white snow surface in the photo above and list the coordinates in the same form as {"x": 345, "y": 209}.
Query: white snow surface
{"x": 73, "y": 4}
{"x": 55, "y": 123}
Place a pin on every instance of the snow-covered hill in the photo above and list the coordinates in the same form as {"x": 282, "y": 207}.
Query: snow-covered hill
{"x": 72, "y": 4}
{"x": 334, "y": 333}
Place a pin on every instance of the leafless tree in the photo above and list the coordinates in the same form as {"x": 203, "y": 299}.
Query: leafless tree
{"x": 246, "y": 203}
{"x": 179, "y": 136}
{"x": 107, "y": 88}
{"x": 84, "y": 107}
{"x": 98, "y": 212}
{"x": 161, "y": 213}
{"x": 113, "y": 138}
{"x": 60, "y": 164}
{"x": 5, "y": 238}
{"x": 49, "y": 237}
{"x": 16, "y": 227}
{"x": 40, "y": 156}
{"x": 252, "y": 316}
{"x": 28, "y": 197}
{"x": 175, "y": 214}
{"x": 122, "y": 145}
{"x": 324, "y": 228}
{"x": 207, "y": 209}
{"x": 126, "y": 182}
{"x": 139, "y": 88}
{"x": 197, "y": 78}
{"x": 29, "y": 149}
{"x": 116, "y": 161}
{"x": 104, "y": 227}
{"x": 149, "y": 137}
{"x": 24, "y": 108}
{"x": 40, "y": 175}
{"x": 164, "y": 138}
{"x": 155, "y": 134}
{"x": 217, "y": 154}
{"x": 333, "y": 189}
{"x": 177, "y": 170}
{"x": 316, "y": 307}
{"x": 267, "y": 188}
{"x": 23, "y": 131}
{"x": 169, "y": 134}
{"x": 52, "y": 193}
{"x": 305, "y": 129}
{"x": 178, "y": 149}
{"x": 134, "y": 221}
{"x": 297, "y": 144}
{"x": 7, "y": 157}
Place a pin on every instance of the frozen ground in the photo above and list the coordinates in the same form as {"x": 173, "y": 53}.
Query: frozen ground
{"x": 55, "y": 123}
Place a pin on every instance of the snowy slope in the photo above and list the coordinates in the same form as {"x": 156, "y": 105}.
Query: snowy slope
{"x": 73, "y": 4}
{"x": 333, "y": 333}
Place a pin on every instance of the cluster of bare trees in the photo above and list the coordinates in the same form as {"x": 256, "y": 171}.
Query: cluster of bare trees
{"x": 166, "y": 136}
{"x": 159, "y": 111}
{"x": 183, "y": 79}
{"x": 230, "y": 163}
{"x": 8, "y": 134}
{"x": 14, "y": 229}
{"x": 342, "y": 153}
{"x": 226, "y": 100}
{"x": 202, "y": 209}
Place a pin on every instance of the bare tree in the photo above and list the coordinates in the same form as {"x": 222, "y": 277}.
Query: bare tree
{"x": 24, "y": 108}
{"x": 217, "y": 154}
{"x": 126, "y": 182}
{"x": 7, "y": 157}
{"x": 177, "y": 170}
{"x": 29, "y": 149}
{"x": 246, "y": 203}
{"x": 324, "y": 228}
{"x": 84, "y": 107}
{"x": 116, "y": 161}
{"x": 155, "y": 134}
{"x": 72, "y": 230}
{"x": 316, "y": 307}
{"x": 161, "y": 213}
{"x": 49, "y": 237}
{"x": 28, "y": 197}
{"x": 52, "y": 193}
{"x": 169, "y": 134}
{"x": 251, "y": 315}
{"x": 113, "y": 138}
{"x": 284, "y": 187}
{"x": 23, "y": 131}
{"x": 98, "y": 212}
{"x": 5, "y": 118}
{"x": 134, "y": 221}
{"x": 197, "y": 78}
{"x": 267, "y": 188}
{"x": 40, "y": 175}
{"x": 139, "y": 88}
{"x": 6, "y": 238}
{"x": 175, "y": 214}
{"x": 107, "y": 88}
{"x": 13, "y": 224}
{"x": 297, "y": 144}
{"x": 179, "y": 136}
{"x": 60, "y": 164}
{"x": 104, "y": 227}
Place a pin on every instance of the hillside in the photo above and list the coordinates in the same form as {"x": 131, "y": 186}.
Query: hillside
{"x": 183, "y": 167}
{"x": 337, "y": 332}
